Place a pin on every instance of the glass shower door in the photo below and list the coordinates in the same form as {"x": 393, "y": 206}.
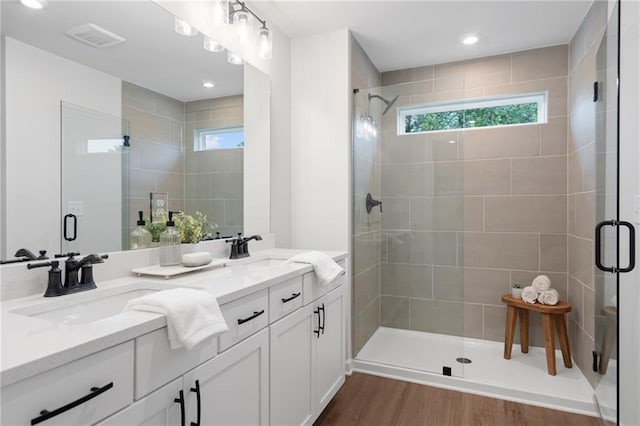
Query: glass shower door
{"x": 94, "y": 181}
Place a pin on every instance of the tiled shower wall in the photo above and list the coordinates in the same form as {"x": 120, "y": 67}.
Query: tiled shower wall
{"x": 583, "y": 180}
{"x": 162, "y": 159}
{"x": 366, "y": 227}
{"x": 467, "y": 213}
{"x": 214, "y": 179}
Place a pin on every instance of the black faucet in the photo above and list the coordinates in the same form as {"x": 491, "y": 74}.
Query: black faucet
{"x": 55, "y": 287}
{"x": 25, "y": 255}
{"x": 240, "y": 245}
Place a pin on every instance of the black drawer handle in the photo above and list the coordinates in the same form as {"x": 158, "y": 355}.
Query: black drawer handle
{"x": 197, "y": 391}
{"x": 317, "y": 332}
{"x": 46, "y": 414}
{"x": 289, "y": 299}
{"x": 254, "y": 316}
{"x": 180, "y": 400}
{"x": 324, "y": 317}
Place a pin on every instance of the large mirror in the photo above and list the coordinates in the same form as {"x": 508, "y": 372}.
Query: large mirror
{"x": 110, "y": 111}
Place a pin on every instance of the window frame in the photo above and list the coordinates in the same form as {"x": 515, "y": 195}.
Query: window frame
{"x": 541, "y": 98}
{"x": 198, "y": 143}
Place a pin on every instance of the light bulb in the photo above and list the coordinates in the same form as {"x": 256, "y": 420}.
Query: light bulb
{"x": 220, "y": 12}
{"x": 265, "y": 43}
{"x": 34, "y": 4}
{"x": 241, "y": 22}
{"x": 209, "y": 84}
{"x": 234, "y": 58}
{"x": 183, "y": 28}
{"x": 212, "y": 45}
{"x": 470, "y": 39}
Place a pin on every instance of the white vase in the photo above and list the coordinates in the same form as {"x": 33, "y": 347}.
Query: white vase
{"x": 517, "y": 293}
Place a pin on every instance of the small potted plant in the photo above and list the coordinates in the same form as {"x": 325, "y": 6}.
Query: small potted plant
{"x": 516, "y": 290}
{"x": 193, "y": 229}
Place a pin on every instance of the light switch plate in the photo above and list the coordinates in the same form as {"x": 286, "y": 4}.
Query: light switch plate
{"x": 75, "y": 207}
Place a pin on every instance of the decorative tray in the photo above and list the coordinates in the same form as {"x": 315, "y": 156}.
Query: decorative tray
{"x": 173, "y": 270}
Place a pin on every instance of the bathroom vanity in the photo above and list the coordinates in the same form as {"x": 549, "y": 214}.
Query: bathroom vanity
{"x": 79, "y": 360}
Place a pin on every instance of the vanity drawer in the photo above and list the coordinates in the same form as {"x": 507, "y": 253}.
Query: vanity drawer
{"x": 312, "y": 289}
{"x": 101, "y": 384}
{"x": 157, "y": 363}
{"x": 284, "y": 298}
{"x": 244, "y": 317}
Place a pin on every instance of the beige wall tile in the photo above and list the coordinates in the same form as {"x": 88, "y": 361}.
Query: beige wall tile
{"x": 448, "y": 178}
{"x": 444, "y": 145}
{"x": 161, "y": 157}
{"x": 502, "y": 142}
{"x": 574, "y": 174}
{"x": 585, "y": 215}
{"x": 226, "y": 185}
{"x": 365, "y": 252}
{"x": 553, "y": 252}
{"x": 582, "y": 354}
{"x": 449, "y": 83}
{"x": 489, "y": 71}
{"x": 557, "y": 93}
{"x": 589, "y": 312}
{"x": 581, "y": 259}
{"x": 544, "y": 175}
{"x": 141, "y": 182}
{"x": 144, "y": 125}
{"x": 219, "y": 160}
{"x": 582, "y": 129}
{"x": 394, "y": 312}
{"x": 437, "y": 316}
{"x": 366, "y": 288}
{"x": 169, "y": 108}
{"x": 138, "y": 97}
{"x": 173, "y": 183}
{"x": 405, "y": 280}
{"x": 546, "y": 213}
{"x": 396, "y": 213}
{"x": 540, "y": 63}
{"x": 414, "y": 148}
{"x": 197, "y": 186}
{"x": 473, "y": 321}
{"x": 487, "y": 177}
{"x": 365, "y": 325}
{"x": 407, "y": 75}
{"x": 494, "y": 321}
{"x": 501, "y": 250}
{"x": 407, "y": 180}
{"x": 422, "y": 248}
{"x": 553, "y": 137}
{"x": 233, "y": 212}
{"x": 446, "y": 213}
{"x": 472, "y": 285}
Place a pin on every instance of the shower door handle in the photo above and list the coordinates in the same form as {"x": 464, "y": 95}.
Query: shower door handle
{"x": 632, "y": 246}
{"x": 598, "y": 250}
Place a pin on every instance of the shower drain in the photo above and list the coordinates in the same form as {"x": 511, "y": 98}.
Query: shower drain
{"x": 463, "y": 360}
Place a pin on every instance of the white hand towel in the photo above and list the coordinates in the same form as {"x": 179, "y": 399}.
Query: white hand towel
{"x": 326, "y": 268}
{"x": 192, "y": 315}
{"x": 549, "y": 297}
{"x": 529, "y": 295}
{"x": 541, "y": 283}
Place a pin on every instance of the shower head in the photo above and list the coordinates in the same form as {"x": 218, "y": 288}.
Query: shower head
{"x": 387, "y": 102}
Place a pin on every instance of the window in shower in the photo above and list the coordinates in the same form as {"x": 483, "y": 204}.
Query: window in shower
{"x": 218, "y": 138}
{"x": 473, "y": 113}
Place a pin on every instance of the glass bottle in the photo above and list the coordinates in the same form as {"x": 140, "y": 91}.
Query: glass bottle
{"x": 140, "y": 237}
{"x": 170, "y": 249}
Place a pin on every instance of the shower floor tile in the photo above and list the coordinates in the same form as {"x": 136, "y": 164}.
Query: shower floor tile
{"x": 430, "y": 352}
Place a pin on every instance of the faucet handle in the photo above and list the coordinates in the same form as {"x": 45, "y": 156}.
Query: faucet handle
{"x": 69, "y": 255}
{"x": 54, "y": 265}
{"x": 43, "y": 255}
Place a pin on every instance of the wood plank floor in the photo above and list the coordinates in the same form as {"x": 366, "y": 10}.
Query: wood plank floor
{"x": 370, "y": 400}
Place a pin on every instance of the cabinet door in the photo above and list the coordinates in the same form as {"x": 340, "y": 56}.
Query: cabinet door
{"x": 234, "y": 386}
{"x": 158, "y": 409}
{"x": 292, "y": 369}
{"x": 329, "y": 348}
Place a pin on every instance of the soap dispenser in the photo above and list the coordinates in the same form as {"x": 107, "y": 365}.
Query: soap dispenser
{"x": 140, "y": 237}
{"x": 170, "y": 250}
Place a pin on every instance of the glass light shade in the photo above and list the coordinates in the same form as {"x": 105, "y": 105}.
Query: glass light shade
{"x": 265, "y": 43}
{"x": 35, "y": 4}
{"x": 212, "y": 45}
{"x": 183, "y": 28}
{"x": 234, "y": 58}
{"x": 220, "y": 12}
{"x": 241, "y": 24}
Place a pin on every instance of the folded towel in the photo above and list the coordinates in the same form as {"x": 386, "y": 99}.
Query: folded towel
{"x": 541, "y": 283}
{"x": 529, "y": 295}
{"x": 326, "y": 268}
{"x": 192, "y": 315}
{"x": 549, "y": 297}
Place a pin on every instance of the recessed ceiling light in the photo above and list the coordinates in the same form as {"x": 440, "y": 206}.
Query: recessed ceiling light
{"x": 470, "y": 39}
{"x": 35, "y": 4}
{"x": 452, "y": 141}
{"x": 209, "y": 84}
{"x": 183, "y": 28}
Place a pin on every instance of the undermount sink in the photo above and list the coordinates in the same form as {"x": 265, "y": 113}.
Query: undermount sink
{"x": 94, "y": 307}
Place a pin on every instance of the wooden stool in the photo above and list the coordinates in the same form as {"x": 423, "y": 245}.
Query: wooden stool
{"x": 516, "y": 307}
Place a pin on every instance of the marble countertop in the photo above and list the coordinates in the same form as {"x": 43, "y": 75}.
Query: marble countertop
{"x": 31, "y": 345}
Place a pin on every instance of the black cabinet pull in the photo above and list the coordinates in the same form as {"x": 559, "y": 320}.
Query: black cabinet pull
{"x": 75, "y": 226}
{"x": 180, "y": 400}
{"x": 317, "y": 332}
{"x": 198, "y": 409}
{"x": 289, "y": 299}
{"x": 46, "y": 414}
{"x": 632, "y": 246}
{"x": 254, "y": 316}
{"x": 324, "y": 317}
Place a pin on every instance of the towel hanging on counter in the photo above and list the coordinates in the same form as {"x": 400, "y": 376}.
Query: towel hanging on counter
{"x": 325, "y": 267}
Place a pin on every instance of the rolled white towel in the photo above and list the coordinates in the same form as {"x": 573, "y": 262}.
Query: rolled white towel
{"x": 549, "y": 297}
{"x": 529, "y": 295}
{"x": 541, "y": 283}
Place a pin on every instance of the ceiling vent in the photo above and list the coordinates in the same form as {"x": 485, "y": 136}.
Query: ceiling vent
{"x": 95, "y": 36}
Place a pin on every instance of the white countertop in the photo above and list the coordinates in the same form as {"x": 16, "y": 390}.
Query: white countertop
{"x": 31, "y": 345}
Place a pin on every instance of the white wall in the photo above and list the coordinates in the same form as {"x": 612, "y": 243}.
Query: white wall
{"x": 629, "y": 299}
{"x": 36, "y": 82}
{"x": 320, "y": 142}
{"x": 198, "y": 13}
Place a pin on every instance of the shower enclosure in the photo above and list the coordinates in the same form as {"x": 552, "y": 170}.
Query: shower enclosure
{"x": 470, "y": 177}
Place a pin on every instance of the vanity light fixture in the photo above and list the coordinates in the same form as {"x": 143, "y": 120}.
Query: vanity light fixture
{"x": 470, "y": 39}
{"x": 212, "y": 45}
{"x": 220, "y": 12}
{"x": 35, "y": 4}
{"x": 209, "y": 84}
{"x": 240, "y": 17}
{"x": 183, "y": 28}
{"x": 234, "y": 58}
